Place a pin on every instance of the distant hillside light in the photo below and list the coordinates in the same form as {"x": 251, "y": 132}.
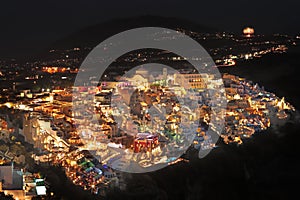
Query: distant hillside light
{"x": 248, "y": 31}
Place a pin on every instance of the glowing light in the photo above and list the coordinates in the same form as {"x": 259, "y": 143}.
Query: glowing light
{"x": 248, "y": 31}
{"x": 8, "y": 105}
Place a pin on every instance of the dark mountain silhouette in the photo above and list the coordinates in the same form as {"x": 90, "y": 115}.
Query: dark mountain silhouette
{"x": 93, "y": 35}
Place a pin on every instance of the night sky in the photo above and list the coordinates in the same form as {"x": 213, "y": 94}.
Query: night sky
{"x": 29, "y": 26}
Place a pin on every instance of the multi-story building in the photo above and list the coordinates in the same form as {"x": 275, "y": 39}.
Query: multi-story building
{"x": 190, "y": 81}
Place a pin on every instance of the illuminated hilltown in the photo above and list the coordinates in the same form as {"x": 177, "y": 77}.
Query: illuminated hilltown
{"x": 136, "y": 121}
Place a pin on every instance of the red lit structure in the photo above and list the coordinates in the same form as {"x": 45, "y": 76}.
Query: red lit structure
{"x": 145, "y": 142}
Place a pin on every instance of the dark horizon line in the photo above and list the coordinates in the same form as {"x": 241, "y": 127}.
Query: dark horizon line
{"x": 25, "y": 55}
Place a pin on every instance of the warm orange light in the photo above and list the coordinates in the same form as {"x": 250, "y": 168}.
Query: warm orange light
{"x": 248, "y": 31}
{"x": 52, "y": 70}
